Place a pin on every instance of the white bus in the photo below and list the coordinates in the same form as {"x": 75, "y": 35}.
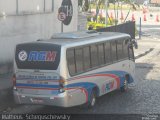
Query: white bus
{"x": 72, "y": 69}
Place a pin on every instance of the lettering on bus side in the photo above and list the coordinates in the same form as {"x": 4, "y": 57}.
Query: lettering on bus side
{"x": 107, "y": 87}
{"x": 42, "y": 56}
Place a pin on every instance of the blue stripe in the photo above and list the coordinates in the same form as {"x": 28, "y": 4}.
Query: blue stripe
{"x": 87, "y": 85}
{"x": 37, "y": 85}
{"x": 121, "y": 75}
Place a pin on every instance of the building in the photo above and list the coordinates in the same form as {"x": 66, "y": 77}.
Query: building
{"x": 29, "y": 20}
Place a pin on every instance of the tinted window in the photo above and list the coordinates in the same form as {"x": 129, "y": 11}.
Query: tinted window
{"x": 79, "y": 60}
{"x": 94, "y": 56}
{"x": 108, "y": 58}
{"x": 131, "y": 53}
{"x": 86, "y": 58}
{"x": 114, "y": 51}
{"x": 71, "y": 61}
{"x": 125, "y": 48}
{"x": 41, "y": 56}
{"x": 120, "y": 49}
{"x": 101, "y": 57}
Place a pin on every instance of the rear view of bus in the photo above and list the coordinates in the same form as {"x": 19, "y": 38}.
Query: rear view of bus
{"x": 72, "y": 69}
{"x": 37, "y": 79}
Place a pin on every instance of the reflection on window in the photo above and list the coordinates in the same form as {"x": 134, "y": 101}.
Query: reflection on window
{"x": 94, "y": 56}
{"x": 71, "y": 61}
{"x": 114, "y": 51}
{"x": 101, "y": 57}
{"x": 120, "y": 49}
{"x": 86, "y": 58}
{"x": 79, "y": 60}
{"x": 125, "y": 48}
{"x": 108, "y": 52}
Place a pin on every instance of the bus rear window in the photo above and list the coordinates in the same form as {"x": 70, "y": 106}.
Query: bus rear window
{"x": 41, "y": 56}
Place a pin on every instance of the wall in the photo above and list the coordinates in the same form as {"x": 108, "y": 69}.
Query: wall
{"x": 32, "y": 20}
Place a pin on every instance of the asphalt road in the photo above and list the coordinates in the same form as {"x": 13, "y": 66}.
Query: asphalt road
{"x": 142, "y": 97}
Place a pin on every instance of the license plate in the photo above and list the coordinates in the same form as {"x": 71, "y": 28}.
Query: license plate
{"x": 36, "y": 100}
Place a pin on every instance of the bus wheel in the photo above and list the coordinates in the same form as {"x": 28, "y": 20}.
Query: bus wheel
{"x": 125, "y": 85}
{"x": 92, "y": 101}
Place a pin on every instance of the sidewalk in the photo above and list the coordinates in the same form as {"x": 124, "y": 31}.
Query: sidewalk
{"x": 144, "y": 47}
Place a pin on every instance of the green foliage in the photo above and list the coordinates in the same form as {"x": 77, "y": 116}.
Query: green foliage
{"x": 100, "y": 22}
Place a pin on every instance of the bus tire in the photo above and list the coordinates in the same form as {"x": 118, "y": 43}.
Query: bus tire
{"x": 92, "y": 101}
{"x": 124, "y": 88}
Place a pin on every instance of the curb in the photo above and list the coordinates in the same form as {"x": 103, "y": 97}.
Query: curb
{"x": 145, "y": 53}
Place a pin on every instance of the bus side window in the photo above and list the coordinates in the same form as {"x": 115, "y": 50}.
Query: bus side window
{"x": 79, "y": 60}
{"x": 101, "y": 54}
{"x": 114, "y": 51}
{"x": 94, "y": 56}
{"x": 71, "y": 61}
{"x": 108, "y": 57}
{"x": 125, "y": 49}
{"x": 86, "y": 58}
{"x": 120, "y": 49}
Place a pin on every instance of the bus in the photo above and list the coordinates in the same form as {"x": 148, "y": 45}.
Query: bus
{"x": 72, "y": 69}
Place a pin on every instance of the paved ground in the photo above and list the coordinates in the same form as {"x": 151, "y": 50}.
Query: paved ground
{"x": 142, "y": 97}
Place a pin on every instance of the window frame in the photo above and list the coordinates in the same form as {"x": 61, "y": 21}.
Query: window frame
{"x": 98, "y": 65}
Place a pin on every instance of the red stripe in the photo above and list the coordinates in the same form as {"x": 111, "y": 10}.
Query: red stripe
{"x": 82, "y": 89}
{"x": 108, "y": 75}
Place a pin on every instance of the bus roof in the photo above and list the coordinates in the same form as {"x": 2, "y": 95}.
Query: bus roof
{"x": 83, "y": 37}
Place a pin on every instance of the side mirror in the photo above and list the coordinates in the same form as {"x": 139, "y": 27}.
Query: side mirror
{"x": 134, "y": 42}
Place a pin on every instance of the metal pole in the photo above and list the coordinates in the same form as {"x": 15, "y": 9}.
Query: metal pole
{"x": 16, "y": 6}
{"x": 140, "y": 30}
{"x": 52, "y": 5}
{"x": 44, "y": 6}
{"x": 61, "y": 27}
{"x": 106, "y": 21}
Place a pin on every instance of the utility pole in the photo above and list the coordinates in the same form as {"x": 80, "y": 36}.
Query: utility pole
{"x": 97, "y": 9}
{"x": 106, "y": 4}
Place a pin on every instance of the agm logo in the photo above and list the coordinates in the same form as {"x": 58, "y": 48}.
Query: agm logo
{"x": 42, "y": 56}
{"x": 48, "y": 56}
{"x": 22, "y": 55}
